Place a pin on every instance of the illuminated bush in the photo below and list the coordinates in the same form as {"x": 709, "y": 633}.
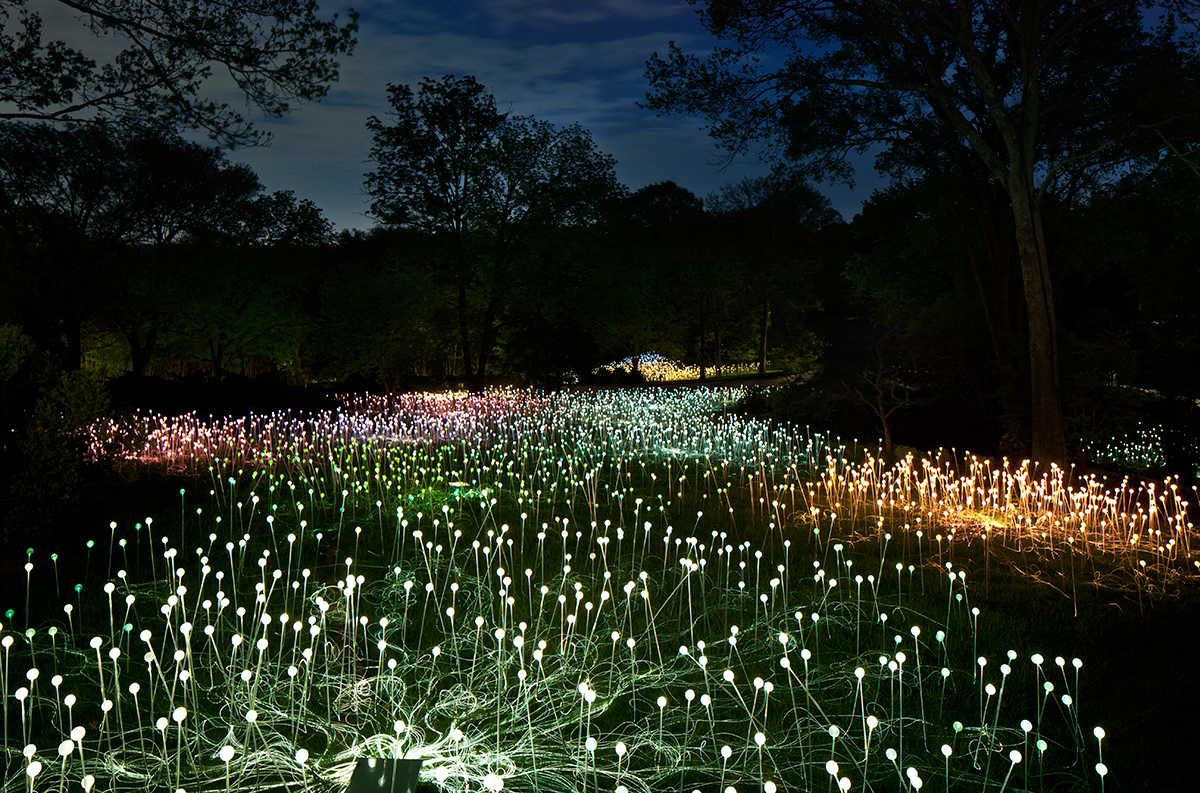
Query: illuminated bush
{"x": 658, "y": 368}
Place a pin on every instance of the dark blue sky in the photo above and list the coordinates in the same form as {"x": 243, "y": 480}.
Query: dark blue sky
{"x": 563, "y": 61}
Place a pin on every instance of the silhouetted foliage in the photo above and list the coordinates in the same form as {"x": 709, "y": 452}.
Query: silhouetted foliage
{"x": 773, "y": 232}
{"x": 489, "y": 185}
{"x": 1041, "y": 99}
{"x": 276, "y": 54}
{"x": 141, "y": 235}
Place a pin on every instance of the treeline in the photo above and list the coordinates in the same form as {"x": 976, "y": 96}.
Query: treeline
{"x": 948, "y": 363}
{"x": 133, "y": 251}
{"x": 507, "y": 251}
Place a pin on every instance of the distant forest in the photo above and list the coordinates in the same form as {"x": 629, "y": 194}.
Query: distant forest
{"x": 507, "y": 252}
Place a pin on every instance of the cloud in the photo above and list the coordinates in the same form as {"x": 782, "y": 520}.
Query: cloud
{"x": 565, "y": 82}
{"x": 509, "y": 15}
{"x": 552, "y": 61}
{"x": 563, "y": 61}
{"x": 320, "y": 150}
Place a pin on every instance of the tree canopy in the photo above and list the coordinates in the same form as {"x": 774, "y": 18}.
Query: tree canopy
{"x": 1044, "y": 97}
{"x": 487, "y": 184}
{"x": 106, "y": 221}
{"x": 276, "y": 53}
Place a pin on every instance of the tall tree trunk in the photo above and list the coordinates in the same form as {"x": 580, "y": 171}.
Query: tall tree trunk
{"x": 73, "y": 330}
{"x": 464, "y": 328}
{"x": 762, "y": 339}
{"x": 140, "y": 353}
{"x": 1049, "y": 441}
{"x": 703, "y": 330}
{"x": 717, "y": 344}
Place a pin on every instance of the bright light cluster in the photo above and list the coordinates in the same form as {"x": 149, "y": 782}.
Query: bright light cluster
{"x": 1143, "y": 527}
{"x": 190, "y": 443}
{"x": 621, "y": 590}
{"x": 1139, "y": 450}
{"x": 658, "y": 368}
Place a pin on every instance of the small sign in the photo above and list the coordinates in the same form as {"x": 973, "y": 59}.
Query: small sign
{"x": 383, "y": 775}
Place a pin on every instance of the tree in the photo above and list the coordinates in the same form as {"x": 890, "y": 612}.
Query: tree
{"x": 558, "y": 302}
{"x": 1042, "y": 95}
{"x": 384, "y": 316}
{"x": 1144, "y": 272}
{"x": 1147, "y": 272}
{"x": 912, "y": 274}
{"x": 429, "y": 160}
{"x": 227, "y": 319}
{"x": 15, "y": 349}
{"x": 180, "y": 197}
{"x": 79, "y": 198}
{"x": 884, "y": 386}
{"x": 63, "y": 198}
{"x": 450, "y": 165}
{"x": 108, "y": 219}
{"x": 661, "y": 276}
{"x": 276, "y": 53}
{"x": 773, "y": 223}
{"x": 265, "y": 316}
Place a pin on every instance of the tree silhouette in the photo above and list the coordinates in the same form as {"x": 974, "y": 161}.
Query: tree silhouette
{"x": 108, "y": 222}
{"x": 1039, "y": 93}
{"x": 276, "y": 53}
{"x": 772, "y": 227}
{"x": 451, "y": 166}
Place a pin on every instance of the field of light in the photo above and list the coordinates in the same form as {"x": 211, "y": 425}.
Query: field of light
{"x": 618, "y": 591}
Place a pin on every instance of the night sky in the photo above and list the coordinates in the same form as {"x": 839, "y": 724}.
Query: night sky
{"x": 563, "y": 61}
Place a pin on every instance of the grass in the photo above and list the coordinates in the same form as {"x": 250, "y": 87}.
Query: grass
{"x": 596, "y": 591}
